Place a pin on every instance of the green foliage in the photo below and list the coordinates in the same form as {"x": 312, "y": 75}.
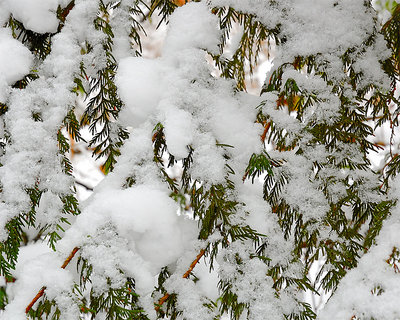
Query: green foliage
{"x": 45, "y": 310}
{"x": 165, "y": 8}
{"x": 39, "y": 44}
{"x": 349, "y": 129}
{"x": 116, "y": 303}
{"x": 258, "y": 165}
{"x": 391, "y": 31}
{"x": 3, "y": 297}
{"x": 254, "y": 36}
{"x": 389, "y": 5}
{"x": 160, "y": 149}
{"x": 104, "y": 104}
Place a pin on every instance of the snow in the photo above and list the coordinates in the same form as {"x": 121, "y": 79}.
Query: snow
{"x": 49, "y": 210}
{"x": 251, "y": 284}
{"x": 138, "y": 82}
{"x": 15, "y": 62}
{"x": 135, "y": 230}
{"x": 38, "y": 16}
{"x": 178, "y": 124}
{"x": 4, "y": 13}
{"x": 208, "y": 280}
{"x": 192, "y": 26}
{"x": 355, "y": 294}
{"x": 261, "y": 219}
{"x": 56, "y": 75}
{"x": 121, "y": 30}
{"x": 191, "y": 301}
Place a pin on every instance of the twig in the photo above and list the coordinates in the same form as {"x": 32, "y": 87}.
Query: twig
{"x": 187, "y": 273}
{"x": 83, "y": 185}
{"x": 71, "y": 255}
{"x": 266, "y": 128}
{"x": 36, "y": 298}
{"x": 41, "y": 291}
{"x": 66, "y": 10}
{"x": 185, "y": 276}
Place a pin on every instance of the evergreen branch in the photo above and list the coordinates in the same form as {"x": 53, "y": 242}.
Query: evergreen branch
{"x": 41, "y": 291}
{"x": 185, "y": 276}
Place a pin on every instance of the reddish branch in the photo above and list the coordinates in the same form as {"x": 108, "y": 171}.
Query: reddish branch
{"x": 185, "y": 276}
{"x": 193, "y": 264}
{"x": 66, "y": 10}
{"x": 71, "y": 255}
{"x": 41, "y": 291}
{"x": 36, "y": 298}
{"x": 266, "y": 128}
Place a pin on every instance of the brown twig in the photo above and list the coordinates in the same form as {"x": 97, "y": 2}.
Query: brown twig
{"x": 66, "y": 10}
{"x": 161, "y": 301}
{"x": 41, "y": 291}
{"x": 71, "y": 255}
{"x": 193, "y": 264}
{"x": 266, "y": 128}
{"x": 185, "y": 276}
{"x": 36, "y": 298}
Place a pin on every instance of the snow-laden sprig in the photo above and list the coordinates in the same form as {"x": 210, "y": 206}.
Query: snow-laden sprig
{"x": 324, "y": 82}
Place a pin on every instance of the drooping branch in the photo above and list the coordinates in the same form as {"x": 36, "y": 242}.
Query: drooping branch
{"x": 41, "y": 291}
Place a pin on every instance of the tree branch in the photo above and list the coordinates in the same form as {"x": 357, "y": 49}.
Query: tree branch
{"x": 185, "y": 276}
{"x": 41, "y": 291}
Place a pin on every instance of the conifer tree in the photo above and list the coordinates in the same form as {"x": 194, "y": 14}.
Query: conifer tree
{"x": 217, "y": 204}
